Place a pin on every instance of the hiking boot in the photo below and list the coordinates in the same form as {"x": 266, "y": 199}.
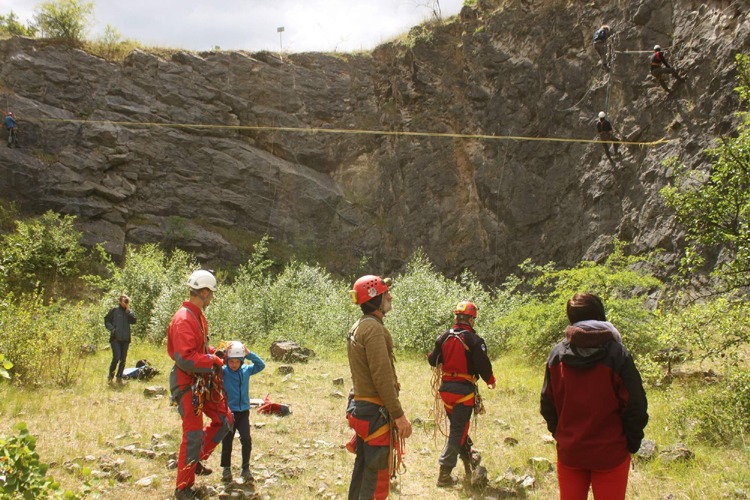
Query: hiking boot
{"x": 185, "y": 494}
{"x": 445, "y": 480}
{"x": 120, "y": 382}
{"x": 247, "y": 476}
{"x": 202, "y": 470}
{"x": 226, "y": 474}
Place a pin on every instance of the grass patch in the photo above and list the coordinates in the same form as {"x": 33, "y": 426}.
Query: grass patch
{"x": 302, "y": 456}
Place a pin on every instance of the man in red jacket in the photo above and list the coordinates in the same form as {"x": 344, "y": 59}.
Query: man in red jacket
{"x": 196, "y": 384}
{"x": 463, "y": 355}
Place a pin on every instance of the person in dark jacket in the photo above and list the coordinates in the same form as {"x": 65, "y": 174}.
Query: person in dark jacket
{"x": 660, "y": 68}
{"x": 463, "y": 355}
{"x": 601, "y": 45}
{"x": 118, "y": 321}
{"x": 594, "y": 404}
{"x": 606, "y": 133}
{"x": 236, "y": 376}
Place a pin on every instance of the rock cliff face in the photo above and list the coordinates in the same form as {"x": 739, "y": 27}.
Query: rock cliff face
{"x": 111, "y": 143}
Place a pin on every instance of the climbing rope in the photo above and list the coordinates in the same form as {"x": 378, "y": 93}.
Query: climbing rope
{"x": 438, "y": 408}
{"x": 314, "y": 130}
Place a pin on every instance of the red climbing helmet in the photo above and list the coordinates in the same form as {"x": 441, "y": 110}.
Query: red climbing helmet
{"x": 467, "y": 308}
{"x": 368, "y": 287}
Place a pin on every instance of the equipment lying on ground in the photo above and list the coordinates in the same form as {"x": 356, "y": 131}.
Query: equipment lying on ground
{"x": 270, "y": 408}
{"x": 143, "y": 371}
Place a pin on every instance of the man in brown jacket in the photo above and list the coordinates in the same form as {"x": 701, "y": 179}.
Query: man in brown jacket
{"x": 374, "y": 409}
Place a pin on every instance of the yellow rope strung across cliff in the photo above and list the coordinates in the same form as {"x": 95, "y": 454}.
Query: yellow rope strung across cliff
{"x": 313, "y": 130}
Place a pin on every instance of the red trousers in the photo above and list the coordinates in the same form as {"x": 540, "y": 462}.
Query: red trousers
{"x": 370, "y": 479}
{"x": 606, "y": 484}
{"x": 197, "y": 441}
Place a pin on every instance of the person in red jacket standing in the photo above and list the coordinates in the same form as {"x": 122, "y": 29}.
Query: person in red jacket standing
{"x": 196, "y": 384}
{"x": 463, "y": 355}
{"x": 594, "y": 404}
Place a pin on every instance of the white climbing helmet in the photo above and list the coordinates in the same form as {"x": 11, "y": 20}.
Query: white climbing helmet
{"x": 657, "y": 47}
{"x": 236, "y": 350}
{"x": 201, "y": 279}
{"x": 602, "y": 114}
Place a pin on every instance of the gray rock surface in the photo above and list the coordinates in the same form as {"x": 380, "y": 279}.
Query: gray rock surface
{"x": 133, "y": 151}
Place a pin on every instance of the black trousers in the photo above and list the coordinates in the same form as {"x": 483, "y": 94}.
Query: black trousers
{"x": 241, "y": 424}
{"x": 119, "y": 356}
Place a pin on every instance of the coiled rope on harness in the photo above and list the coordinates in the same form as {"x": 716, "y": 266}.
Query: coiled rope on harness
{"x": 439, "y": 415}
{"x": 207, "y": 387}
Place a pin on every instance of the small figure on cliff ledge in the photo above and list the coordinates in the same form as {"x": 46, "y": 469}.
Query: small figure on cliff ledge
{"x": 660, "y": 67}
{"x": 601, "y": 45}
{"x": 10, "y": 125}
{"x": 606, "y": 133}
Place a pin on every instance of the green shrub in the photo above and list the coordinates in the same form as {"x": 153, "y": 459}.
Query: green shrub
{"x": 716, "y": 329}
{"x": 535, "y": 317}
{"x": 64, "y": 19}
{"x": 22, "y": 474}
{"x": 151, "y": 279}
{"x": 303, "y": 303}
{"x": 57, "y": 333}
{"x": 423, "y": 304}
{"x": 41, "y": 253}
{"x": 720, "y": 414}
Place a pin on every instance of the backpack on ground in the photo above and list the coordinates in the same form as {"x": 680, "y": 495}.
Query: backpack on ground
{"x": 143, "y": 371}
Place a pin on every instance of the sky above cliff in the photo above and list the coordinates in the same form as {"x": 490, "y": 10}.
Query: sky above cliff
{"x": 309, "y": 25}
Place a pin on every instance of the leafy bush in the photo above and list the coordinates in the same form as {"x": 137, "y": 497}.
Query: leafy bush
{"x": 714, "y": 203}
{"x": 32, "y": 332}
{"x": 65, "y": 19}
{"x": 423, "y": 304}
{"x": 110, "y": 46}
{"x": 22, "y": 474}
{"x": 151, "y": 280}
{"x": 718, "y": 415}
{"x": 41, "y": 252}
{"x": 536, "y": 317}
{"x": 303, "y": 303}
{"x": 10, "y": 25}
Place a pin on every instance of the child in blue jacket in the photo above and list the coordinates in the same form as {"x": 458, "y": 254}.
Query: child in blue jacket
{"x": 236, "y": 376}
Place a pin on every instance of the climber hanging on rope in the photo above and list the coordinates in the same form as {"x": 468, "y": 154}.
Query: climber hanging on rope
{"x": 601, "y": 45}
{"x": 463, "y": 357}
{"x": 660, "y": 67}
{"x": 606, "y": 133}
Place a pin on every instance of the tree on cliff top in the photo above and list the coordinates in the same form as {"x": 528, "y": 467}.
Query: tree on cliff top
{"x": 10, "y": 25}
{"x": 64, "y": 19}
{"x": 714, "y": 206}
